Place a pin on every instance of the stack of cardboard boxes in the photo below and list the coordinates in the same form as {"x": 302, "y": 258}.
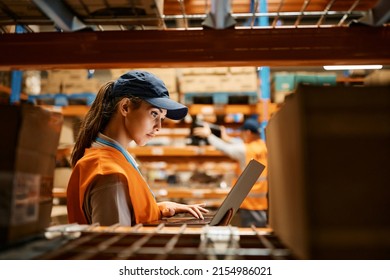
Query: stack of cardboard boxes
{"x": 28, "y": 158}
{"x": 219, "y": 85}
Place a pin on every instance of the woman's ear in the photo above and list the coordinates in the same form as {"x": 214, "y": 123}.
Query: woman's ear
{"x": 124, "y": 106}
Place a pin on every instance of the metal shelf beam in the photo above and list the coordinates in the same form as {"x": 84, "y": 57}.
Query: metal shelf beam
{"x": 230, "y": 47}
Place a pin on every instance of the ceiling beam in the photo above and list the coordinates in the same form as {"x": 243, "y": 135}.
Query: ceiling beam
{"x": 60, "y": 14}
{"x": 229, "y": 47}
{"x": 219, "y": 17}
{"x": 378, "y": 15}
{"x": 381, "y": 13}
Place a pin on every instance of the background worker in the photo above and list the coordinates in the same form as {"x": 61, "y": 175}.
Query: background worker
{"x": 106, "y": 186}
{"x": 253, "y": 211}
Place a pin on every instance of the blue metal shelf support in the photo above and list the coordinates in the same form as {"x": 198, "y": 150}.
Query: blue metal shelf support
{"x": 264, "y": 72}
{"x": 16, "y": 77}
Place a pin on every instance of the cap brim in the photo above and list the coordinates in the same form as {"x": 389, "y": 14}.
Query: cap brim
{"x": 175, "y": 110}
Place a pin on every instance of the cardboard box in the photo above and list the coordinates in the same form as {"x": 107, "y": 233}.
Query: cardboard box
{"x": 378, "y": 78}
{"x": 329, "y": 150}
{"x": 243, "y": 70}
{"x": 201, "y": 83}
{"x": 28, "y": 153}
{"x": 67, "y": 135}
{"x": 61, "y": 177}
{"x": 285, "y": 83}
{"x": 203, "y": 71}
{"x": 240, "y": 83}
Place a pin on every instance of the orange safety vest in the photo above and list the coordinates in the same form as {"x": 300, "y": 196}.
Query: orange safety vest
{"x": 104, "y": 161}
{"x": 257, "y": 197}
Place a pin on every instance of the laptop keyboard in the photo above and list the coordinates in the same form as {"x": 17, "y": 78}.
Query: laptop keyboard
{"x": 189, "y": 220}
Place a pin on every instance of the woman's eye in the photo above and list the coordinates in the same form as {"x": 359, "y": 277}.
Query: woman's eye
{"x": 154, "y": 114}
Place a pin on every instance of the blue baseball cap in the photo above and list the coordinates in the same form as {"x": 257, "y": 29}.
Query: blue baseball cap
{"x": 150, "y": 88}
{"x": 251, "y": 124}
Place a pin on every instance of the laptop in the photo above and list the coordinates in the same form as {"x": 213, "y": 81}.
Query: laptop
{"x": 232, "y": 201}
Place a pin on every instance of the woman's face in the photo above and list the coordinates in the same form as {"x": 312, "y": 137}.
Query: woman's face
{"x": 143, "y": 123}
{"x": 245, "y": 136}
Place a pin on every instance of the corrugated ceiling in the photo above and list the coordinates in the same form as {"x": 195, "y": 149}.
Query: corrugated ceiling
{"x": 177, "y": 14}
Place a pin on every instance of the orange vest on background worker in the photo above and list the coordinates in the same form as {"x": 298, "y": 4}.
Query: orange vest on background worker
{"x": 257, "y": 197}
{"x": 104, "y": 161}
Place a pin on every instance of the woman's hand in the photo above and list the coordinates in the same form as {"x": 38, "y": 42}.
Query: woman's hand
{"x": 224, "y": 135}
{"x": 168, "y": 209}
{"x": 203, "y": 131}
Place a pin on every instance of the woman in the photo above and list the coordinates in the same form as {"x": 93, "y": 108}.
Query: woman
{"x": 106, "y": 186}
{"x": 253, "y": 210}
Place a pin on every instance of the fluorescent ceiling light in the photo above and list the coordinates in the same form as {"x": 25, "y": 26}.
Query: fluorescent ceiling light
{"x": 351, "y": 67}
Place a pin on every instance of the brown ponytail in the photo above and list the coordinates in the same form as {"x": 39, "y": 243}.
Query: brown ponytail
{"x": 95, "y": 121}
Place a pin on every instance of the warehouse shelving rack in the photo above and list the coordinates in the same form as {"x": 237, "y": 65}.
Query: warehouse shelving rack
{"x": 300, "y": 32}
{"x": 167, "y": 243}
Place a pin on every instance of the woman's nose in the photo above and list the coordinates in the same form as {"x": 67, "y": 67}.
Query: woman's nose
{"x": 158, "y": 125}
